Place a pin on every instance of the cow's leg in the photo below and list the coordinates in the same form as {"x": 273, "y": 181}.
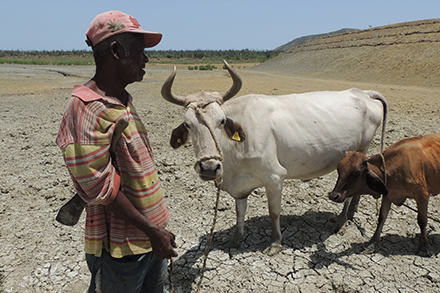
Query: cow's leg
{"x": 422, "y": 219}
{"x": 347, "y": 213}
{"x": 240, "y": 210}
{"x": 273, "y": 193}
{"x": 383, "y": 214}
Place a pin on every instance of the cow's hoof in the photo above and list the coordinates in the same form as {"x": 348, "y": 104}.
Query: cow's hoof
{"x": 232, "y": 243}
{"x": 370, "y": 249}
{"x": 273, "y": 249}
{"x": 340, "y": 230}
{"x": 423, "y": 252}
{"x": 340, "y": 225}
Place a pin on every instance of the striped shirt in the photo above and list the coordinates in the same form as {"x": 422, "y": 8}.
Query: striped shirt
{"x": 84, "y": 138}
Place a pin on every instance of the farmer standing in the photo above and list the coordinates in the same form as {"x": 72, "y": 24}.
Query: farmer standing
{"x": 126, "y": 243}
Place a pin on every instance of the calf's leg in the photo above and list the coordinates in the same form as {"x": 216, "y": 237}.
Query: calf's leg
{"x": 347, "y": 213}
{"x": 383, "y": 214}
{"x": 422, "y": 220}
{"x": 352, "y": 208}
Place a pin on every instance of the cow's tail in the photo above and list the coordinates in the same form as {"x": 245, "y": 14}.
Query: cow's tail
{"x": 377, "y": 96}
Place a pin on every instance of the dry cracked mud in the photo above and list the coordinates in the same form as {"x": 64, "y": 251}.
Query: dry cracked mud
{"x": 40, "y": 255}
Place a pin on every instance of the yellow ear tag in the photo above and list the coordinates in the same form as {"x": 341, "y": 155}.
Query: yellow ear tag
{"x": 236, "y": 136}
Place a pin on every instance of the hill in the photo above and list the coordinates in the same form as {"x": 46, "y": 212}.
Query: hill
{"x": 405, "y": 53}
{"x": 299, "y": 41}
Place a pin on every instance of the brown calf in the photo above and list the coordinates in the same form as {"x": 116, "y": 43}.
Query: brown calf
{"x": 409, "y": 168}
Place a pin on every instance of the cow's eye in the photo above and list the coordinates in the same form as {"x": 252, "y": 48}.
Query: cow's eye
{"x": 357, "y": 174}
{"x": 223, "y": 122}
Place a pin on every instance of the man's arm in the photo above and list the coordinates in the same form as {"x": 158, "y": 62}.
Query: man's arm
{"x": 162, "y": 241}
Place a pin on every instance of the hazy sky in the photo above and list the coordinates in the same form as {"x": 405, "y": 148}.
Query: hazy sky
{"x": 201, "y": 24}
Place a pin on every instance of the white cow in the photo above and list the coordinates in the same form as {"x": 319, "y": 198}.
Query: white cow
{"x": 258, "y": 140}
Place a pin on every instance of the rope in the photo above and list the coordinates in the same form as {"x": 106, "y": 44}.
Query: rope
{"x": 199, "y": 111}
{"x": 170, "y": 271}
{"x": 428, "y": 215}
{"x": 208, "y": 245}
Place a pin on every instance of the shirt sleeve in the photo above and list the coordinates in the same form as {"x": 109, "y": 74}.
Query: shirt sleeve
{"x": 95, "y": 178}
{"x": 84, "y": 139}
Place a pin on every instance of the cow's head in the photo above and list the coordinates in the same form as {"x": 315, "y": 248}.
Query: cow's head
{"x": 359, "y": 174}
{"x": 206, "y": 121}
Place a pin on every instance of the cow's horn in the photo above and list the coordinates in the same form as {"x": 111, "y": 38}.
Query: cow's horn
{"x": 166, "y": 90}
{"x": 236, "y": 86}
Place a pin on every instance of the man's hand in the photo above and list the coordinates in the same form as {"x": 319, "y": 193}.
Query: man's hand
{"x": 163, "y": 243}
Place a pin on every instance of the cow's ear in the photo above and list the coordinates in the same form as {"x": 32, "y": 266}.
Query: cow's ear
{"x": 375, "y": 160}
{"x": 375, "y": 183}
{"x": 234, "y": 130}
{"x": 179, "y": 136}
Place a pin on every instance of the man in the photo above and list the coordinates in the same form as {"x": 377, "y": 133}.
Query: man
{"x": 125, "y": 241}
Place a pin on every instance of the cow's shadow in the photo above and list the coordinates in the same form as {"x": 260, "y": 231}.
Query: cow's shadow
{"x": 390, "y": 244}
{"x": 299, "y": 232}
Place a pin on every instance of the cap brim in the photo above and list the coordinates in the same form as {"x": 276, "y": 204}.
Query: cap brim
{"x": 151, "y": 39}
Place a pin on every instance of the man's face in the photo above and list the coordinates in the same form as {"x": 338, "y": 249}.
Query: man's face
{"x": 133, "y": 60}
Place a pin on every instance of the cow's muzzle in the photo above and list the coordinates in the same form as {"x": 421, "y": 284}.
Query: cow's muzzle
{"x": 210, "y": 169}
{"x": 337, "y": 196}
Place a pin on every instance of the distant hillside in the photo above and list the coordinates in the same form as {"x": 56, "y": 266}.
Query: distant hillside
{"x": 299, "y": 41}
{"x": 405, "y": 53}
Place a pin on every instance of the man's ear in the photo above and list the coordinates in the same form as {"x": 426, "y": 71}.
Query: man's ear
{"x": 115, "y": 49}
{"x": 375, "y": 183}
{"x": 179, "y": 136}
{"x": 234, "y": 130}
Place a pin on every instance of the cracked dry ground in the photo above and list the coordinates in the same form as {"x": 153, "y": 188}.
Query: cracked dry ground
{"x": 40, "y": 255}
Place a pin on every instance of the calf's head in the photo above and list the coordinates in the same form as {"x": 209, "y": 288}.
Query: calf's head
{"x": 359, "y": 174}
{"x": 205, "y": 121}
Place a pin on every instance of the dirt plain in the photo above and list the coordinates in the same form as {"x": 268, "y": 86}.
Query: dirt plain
{"x": 40, "y": 255}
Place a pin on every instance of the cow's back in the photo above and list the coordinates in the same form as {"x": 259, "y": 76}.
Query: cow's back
{"x": 306, "y": 134}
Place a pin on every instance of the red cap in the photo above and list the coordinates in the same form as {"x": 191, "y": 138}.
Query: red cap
{"x": 114, "y": 22}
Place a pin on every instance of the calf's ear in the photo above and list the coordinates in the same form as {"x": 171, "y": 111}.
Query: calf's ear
{"x": 179, "y": 136}
{"x": 375, "y": 183}
{"x": 234, "y": 130}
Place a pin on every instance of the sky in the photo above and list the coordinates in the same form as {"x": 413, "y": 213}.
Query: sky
{"x": 201, "y": 24}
